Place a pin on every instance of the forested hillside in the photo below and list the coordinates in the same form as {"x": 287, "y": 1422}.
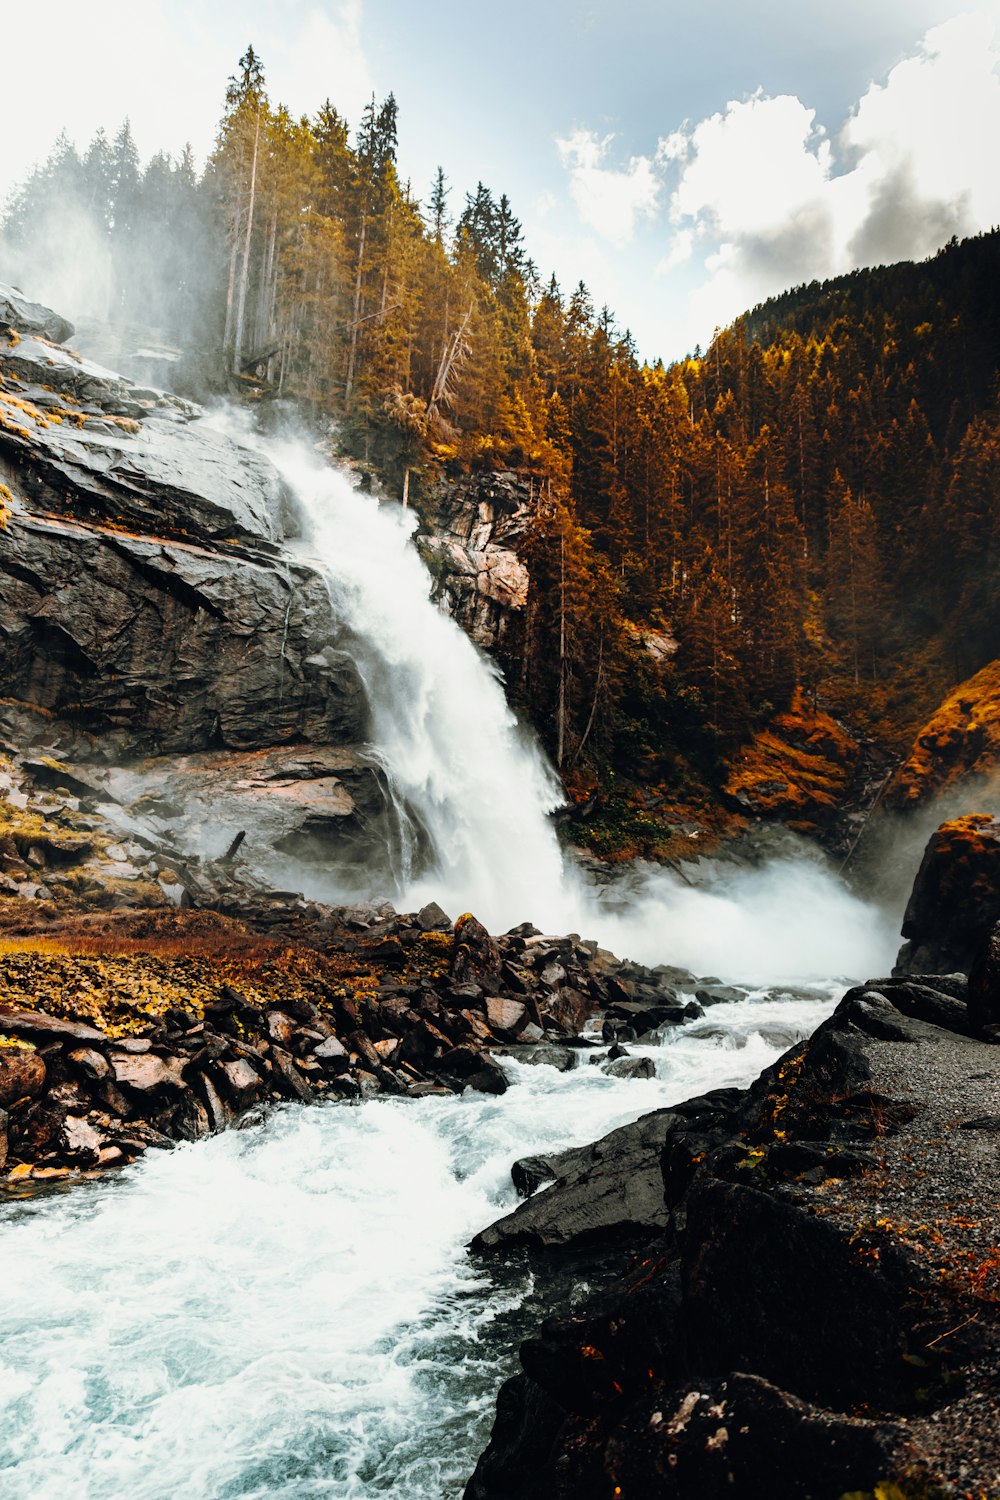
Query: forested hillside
{"x": 811, "y": 503}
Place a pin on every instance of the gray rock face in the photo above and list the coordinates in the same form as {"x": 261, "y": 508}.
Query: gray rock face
{"x": 479, "y": 526}
{"x": 609, "y": 1190}
{"x": 167, "y": 645}
{"x": 144, "y": 594}
{"x": 17, "y": 312}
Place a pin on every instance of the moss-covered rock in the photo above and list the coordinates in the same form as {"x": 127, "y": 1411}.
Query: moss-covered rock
{"x": 961, "y": 739}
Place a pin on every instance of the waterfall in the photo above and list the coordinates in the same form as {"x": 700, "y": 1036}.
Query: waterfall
{"x": 473, "y": 783}
{"x": 476, "y": 792}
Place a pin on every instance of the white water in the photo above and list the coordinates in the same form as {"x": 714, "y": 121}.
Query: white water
{"x": 482, "y": 790}
{"x": 287, "y": 1313}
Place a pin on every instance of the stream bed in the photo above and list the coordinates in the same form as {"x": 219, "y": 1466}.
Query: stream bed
{"x": 288, "y": 1311}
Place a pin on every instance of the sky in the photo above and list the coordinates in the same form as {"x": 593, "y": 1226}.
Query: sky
{"x": 684, "y": 160}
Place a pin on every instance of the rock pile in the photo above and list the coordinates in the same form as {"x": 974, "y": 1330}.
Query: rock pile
{"x": 145, "y": 1027}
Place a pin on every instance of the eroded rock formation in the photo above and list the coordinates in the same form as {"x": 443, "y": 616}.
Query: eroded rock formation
{"x": 955, "y": 899}
{"x": 478, "y": 529}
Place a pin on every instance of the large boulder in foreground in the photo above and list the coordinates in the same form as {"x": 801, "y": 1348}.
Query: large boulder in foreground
{"x": 955, "y": 900}
{"x": 819, "y": 1316}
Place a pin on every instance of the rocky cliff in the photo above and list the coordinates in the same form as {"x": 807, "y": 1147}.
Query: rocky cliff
{"x": 959, "y": 742}
{"x": 476, "y": 530}
{"x": 149, "y": 606}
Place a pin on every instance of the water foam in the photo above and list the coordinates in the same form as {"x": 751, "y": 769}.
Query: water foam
{"x": 288, "y": 1312}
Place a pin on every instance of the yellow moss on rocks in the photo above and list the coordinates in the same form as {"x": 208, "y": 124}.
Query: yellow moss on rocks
{"x": 798, "y": 768}
{"x": 962, "y": 738}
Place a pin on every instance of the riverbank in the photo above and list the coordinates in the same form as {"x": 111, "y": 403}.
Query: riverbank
{"x": 820, "y": 1312}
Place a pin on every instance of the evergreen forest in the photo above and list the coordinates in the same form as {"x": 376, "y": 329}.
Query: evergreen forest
{"x": 805, "y": 511}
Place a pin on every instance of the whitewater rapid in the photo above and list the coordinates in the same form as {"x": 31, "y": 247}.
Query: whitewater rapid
{"x": 287, "y": 1312}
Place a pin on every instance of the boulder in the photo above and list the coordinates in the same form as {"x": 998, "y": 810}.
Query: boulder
{"x": 431, "y": 918}
{"x": 602, "y": 1193}
{"x": 505, "y": 1017}
{"x": 22, "y": 1074}
{"x": 332, "y": 1054}
{"x": 25, "y": 316}
{"x": 146, "y": 1074}
{"x": 476, "y": 953}
{"x": 240, "y": 1083}
{"x": 38, "y": 1023}
{"x": 955, "y": 900}
{"x": 630, "y": 1067}
{"x": 80, "y": 1141}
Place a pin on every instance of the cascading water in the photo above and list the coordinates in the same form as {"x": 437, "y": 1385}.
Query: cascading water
{"x": 452, "y": 749}
{"x": 288, "y": 1312}
{"x": 481, "y": 789}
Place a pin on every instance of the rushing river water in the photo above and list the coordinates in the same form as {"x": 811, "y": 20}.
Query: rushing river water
{"x": 288, "y": 1311}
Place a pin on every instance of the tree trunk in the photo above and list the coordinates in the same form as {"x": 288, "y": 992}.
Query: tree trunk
{"x": 349, "y": 386}
{"x": 561, "y": 710}
{"x": 245, "y": 268}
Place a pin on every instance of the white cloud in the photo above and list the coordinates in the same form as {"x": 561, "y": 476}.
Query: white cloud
{"x": 321, "y": 58}
{"x": 752, "y": 166}
{"x": 774, "y": 202}
{"x": 681, "y": 250}
{"x": 608, "y": 199}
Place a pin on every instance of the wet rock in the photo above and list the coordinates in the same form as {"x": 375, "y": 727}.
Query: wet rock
{"x": 190, "y": 1120}
{"x": 631, "y": 1067}
{"x": 719, "y": 994}
{"x": 607, "y": 1191}
{"x": 955, "y": 899}
{"x": 80, "y": 1141}
{"x": 489, "y": 1078}
{"x": 570, "y": 1008}
{"x": 219, "y": 1113}
{"x": 22, "y": 1074}
{"x": 544, "y": 1054}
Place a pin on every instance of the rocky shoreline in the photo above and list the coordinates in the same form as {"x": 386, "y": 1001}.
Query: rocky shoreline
{"x": 813, "y": 1305}
{"x": 131, "y": 1029}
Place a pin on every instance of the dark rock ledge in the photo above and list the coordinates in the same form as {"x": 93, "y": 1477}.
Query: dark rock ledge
{"x": 813, "y": 1303}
